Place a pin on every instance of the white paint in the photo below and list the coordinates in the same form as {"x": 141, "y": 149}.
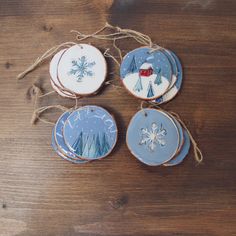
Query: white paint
{"x": 131, "y": 79}
{"x": 89, "y": 84}
{"x": 53, "y": 74}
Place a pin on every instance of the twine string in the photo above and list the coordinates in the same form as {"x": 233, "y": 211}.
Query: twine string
{"x": 38, "y": 112}
{"x": 46, "y": 94}
{"x": 197, "y": 151}
{"x": 50, "y": 52}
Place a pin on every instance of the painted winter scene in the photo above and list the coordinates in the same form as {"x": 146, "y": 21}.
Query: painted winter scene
{"x": 176, "y": 78}
{"x": 146, "y": 75}
{"x": 90, "y": 132}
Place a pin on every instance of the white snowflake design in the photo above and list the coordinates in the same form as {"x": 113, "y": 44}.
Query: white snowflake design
{"x": 81, "y": 68}
{"x": 152, "y": 137}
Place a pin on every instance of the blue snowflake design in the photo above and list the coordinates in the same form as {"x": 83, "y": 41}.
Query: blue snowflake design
{"x": 81, "y": 68}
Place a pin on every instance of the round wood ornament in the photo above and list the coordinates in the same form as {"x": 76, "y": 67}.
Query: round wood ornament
{"x": 181, "y": 133}
{"x": 152, "y": 137}
{"x": 90, "y": 132}
{"x": 63, "y": 156}
{"x": 59, "y": 139}
{"x": 53, "y": 73}
{"x": 146, "y": 74}
{"x": 173, "y": 91}
{"x": 183, "y": 152}
{"x": 82, "y": 69}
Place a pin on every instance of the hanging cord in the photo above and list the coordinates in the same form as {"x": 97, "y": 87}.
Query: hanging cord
{"x": 117, "y": 35}
{"x": 197, "y": 152}
{"x": 38, "y": 112}
{"x": 37, "y": 92}
{"x": 50, "y": 52}
{"x": 46, "y": 94}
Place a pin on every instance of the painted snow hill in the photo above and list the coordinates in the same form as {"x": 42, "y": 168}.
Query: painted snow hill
{"x": 147, "y": 75}
{"x": 178, "y": 71}
{"x": 90, "y": 132}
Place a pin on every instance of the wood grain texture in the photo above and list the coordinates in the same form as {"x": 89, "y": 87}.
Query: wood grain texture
{"x": 41, "y": 194}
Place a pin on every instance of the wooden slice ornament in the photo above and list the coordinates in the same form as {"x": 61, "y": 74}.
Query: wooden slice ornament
{"x": 173, "y": 68}
{"x": 173, "y": 91}
{"x": 82, "y": 69}
{"x": 145, "y": 74}
{"x": 59, "y": 153}
{"x": 90, "y": 132}
{"x": 53, "y": 73}
{"x": 183, "y": 152}
{"x": 59, "y": 138}
{"x": 152, "y": 137}
{"x": 181, "y": 133}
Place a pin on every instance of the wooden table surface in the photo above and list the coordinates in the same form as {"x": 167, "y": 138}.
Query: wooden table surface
{"x": 41, "y": 194}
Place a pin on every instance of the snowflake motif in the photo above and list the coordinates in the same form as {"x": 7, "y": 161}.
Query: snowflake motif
{"x": 81, "y": 68}
{"x": 152, "y": 137}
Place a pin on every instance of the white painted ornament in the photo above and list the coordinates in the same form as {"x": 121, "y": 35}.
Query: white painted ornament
{"x": 82, "y": 69}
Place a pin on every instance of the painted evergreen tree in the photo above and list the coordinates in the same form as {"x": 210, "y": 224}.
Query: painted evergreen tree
{"x": 86, "y": 148}
{"x": 105, "y": 145}
{"x": 92, "y": 148}
{"x": 138, "y": 86}
{"x": 133, "y": 67}
{"x": 78, "y": 144}
{"x": 98, "y": 146}
{"x": 158, "y": 80}
{"x": 150, "y": 90}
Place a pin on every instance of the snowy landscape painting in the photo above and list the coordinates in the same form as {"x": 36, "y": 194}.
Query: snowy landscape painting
{"x": 90, "y": 132}
{"x": 92, "y": 146}
{"x": 146, "y": 75}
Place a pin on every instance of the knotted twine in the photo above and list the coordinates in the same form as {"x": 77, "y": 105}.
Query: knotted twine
{"x": 117, "y": 34}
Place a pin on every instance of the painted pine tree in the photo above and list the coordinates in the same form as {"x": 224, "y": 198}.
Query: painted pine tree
{"x": 105, "y": 145}
{"x": 150, "y": 90}
{"x": 158, "y": 80}
{"x": 78, "y": 144}
{"x": 92, "y": 147}
{"x": 98, "y": 146}
{"x": 133, "y": 67}
{"x": 86, "y": 148}
{"x": 138, "y": 86}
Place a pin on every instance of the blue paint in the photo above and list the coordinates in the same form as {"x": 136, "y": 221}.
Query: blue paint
{"x": 90, "y": 132}
{"x": 59, "y": 139}
{"x": 54, "y": 146}
{"x": 164, "y": 149}
{"x": 181, "y": 133}
{"x": 177, "y": 70}
{"x": 136, "y": 58}
{"x": 183, "y": 153}
{"x": 145, "y": 73}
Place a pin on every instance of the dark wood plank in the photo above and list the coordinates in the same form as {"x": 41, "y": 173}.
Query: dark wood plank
{"x": 41, "y": 194}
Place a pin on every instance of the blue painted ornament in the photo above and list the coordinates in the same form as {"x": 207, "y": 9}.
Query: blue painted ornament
{"x": 145, "y": 73}
{"x": 178, "y": 71}
{"x": 90, "y": 132}
{"x": 64, "y": 157}
{"x": 152, "y": 137}
{"x": 59, "y": 139}
{"x": 183, "y": 152}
